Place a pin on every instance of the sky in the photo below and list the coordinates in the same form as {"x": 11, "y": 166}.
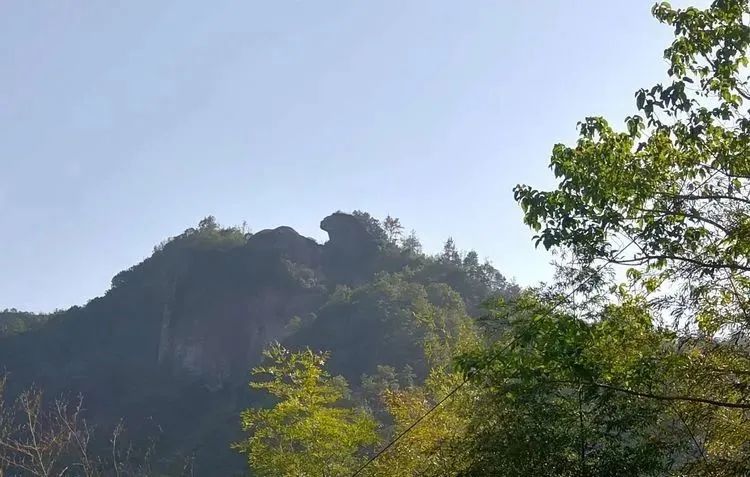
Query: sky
{"x": 124, "y": 123}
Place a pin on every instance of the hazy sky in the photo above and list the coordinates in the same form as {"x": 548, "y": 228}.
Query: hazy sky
{"x": 125, "y": 122}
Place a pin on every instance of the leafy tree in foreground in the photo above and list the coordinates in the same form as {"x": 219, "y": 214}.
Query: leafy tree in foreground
{"x": 307, "y": 432}
{"x": 431, "y": 448}
{"x": 669, "y": 195}
{"x": 434, "y": 446}
{"x": 393, "y": 229}
{"x": 619, "y": 396}
{"x": 609, "y": 385}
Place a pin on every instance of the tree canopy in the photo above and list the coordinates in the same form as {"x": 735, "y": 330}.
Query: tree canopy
{"x": 304, "y": 433}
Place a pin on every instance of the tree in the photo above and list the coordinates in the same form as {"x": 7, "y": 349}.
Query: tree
{"x": 372, "y": 225}
{"x": 471, "y": 262}
{"x": 450, "y": 255}
{"x": 307, "y": 432}
{"x": 494, "y": 280}
{"x": 670, "y": 194}
{"x": 43, "y": 439}
{"x": 432, "y": 448}
{"x": 393, "y": 229}
{"x": 435, "y": 446}
{"x": 669, "y": 198}
{"x": 208, "y": 223}
{"x": 620, "y": 396}
{"x": 33, "y": 440}
{"x": 385, "y": 379}
{"x": 412, "y": 244}
{"x": 13, "y": 322}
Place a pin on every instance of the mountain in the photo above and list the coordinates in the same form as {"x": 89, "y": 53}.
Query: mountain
{"x": 169, "y": 346}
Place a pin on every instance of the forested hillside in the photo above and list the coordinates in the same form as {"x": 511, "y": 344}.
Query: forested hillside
{"x": 177, "y": 334}
{"x": 367, "y": 357}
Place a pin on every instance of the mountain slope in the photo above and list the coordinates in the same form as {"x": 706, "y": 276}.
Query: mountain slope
{"x": 172, "y": 341}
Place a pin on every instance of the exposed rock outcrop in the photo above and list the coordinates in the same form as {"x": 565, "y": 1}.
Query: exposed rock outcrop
{"x": 220, "y": 319}
{"x": 349, "y": 254}
{"x": 218, "y": 340}
{"x": 288, "y": 243}
{"x": 214, "y": 328}
{"x": 348, "y": 235}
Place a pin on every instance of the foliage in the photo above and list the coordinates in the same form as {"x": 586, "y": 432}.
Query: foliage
{"x": 670, "y": 193}
{"x": 431, "y": 448}
{"x": 385, "y": 379}
{"x": 14, "y": 322}
{"x": 619, "y": 396}
{"x": 668, "y": 197}
{"x": 209, "y": 235}
{"x": 307, "y": 432}
{"x": 388, "y": 321}
{"x": 475, "y": 282}
{"x": 411, "y": 243}
{"x": 450, "y": 255}
{"x": 372, "y": 226}
{"x": 539, "y": 418}
{"x": 393, "y": 229}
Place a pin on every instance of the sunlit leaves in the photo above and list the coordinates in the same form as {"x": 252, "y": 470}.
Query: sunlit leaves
{"x": 309, "y": 431}
{"x": 671, "y": 194}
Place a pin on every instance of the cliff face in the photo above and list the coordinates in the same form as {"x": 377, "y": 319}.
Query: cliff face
{"x": 218, "y": 339}
{"x": 224, "y": 308}
{"x": 350, "y": 255}
{"x": 214, "y": 329}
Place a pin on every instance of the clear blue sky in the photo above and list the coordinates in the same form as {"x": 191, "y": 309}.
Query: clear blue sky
{"x": 122, "y": 123}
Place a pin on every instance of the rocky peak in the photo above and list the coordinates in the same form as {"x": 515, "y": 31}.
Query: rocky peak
{"x": 347, "y": 232}
{"x": 351, "y": 248}
{"x": 287, "y": 242}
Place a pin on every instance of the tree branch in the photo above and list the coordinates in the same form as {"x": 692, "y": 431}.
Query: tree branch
{"x": 661, "y": 397}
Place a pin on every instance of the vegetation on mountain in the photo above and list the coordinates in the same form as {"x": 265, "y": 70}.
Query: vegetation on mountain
{"x": 177, "y": 333}
{"x": 14, "y": 322}
{"x": 372, "y": 358}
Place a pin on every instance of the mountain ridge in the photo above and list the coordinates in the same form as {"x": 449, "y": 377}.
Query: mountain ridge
{"x": 177, "y": 333}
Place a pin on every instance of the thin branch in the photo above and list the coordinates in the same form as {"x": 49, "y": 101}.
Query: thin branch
{"x": 708, "y": 197}
{"x": 677, "y": 398}
{"x": 690, "y": 431}
{"x": 647, "y": 258}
